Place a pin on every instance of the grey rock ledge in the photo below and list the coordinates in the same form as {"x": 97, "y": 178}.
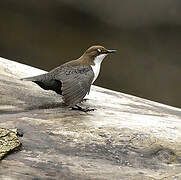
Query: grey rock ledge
{"x": 126, "y": 138}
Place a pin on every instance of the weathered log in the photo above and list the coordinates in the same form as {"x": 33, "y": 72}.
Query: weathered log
{"x": 8, "y": 141}
{"x": 125, "y": 138}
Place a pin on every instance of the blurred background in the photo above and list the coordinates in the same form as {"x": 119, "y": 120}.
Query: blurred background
{"x": 147, "y": 35}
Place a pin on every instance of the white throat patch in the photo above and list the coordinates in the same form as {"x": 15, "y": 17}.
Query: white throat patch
{"x": 96, "y": 68}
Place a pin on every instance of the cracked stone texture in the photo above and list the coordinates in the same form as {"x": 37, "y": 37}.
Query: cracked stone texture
{"x": 125, "y": 138}
{"x": 8, "y": 141}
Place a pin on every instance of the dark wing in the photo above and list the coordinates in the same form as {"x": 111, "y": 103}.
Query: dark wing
{"x": 76, "y": 82}
{"x": 47, "y": 82}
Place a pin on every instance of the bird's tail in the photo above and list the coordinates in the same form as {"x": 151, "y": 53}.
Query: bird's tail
{"x": 33, "y": 78}
{"x": 28, "y": 79}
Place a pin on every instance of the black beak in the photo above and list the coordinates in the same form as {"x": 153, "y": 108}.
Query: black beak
{"x": 111, "y": 51}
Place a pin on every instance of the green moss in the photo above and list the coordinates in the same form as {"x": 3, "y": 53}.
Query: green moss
{"x": 8, "y": 141}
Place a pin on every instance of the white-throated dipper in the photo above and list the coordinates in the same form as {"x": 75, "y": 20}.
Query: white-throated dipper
{"x": 73, "y": 79}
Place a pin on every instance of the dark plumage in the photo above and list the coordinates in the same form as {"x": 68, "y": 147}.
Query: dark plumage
{"x": 73, "y": 79}
{"x": 72, "y": 82}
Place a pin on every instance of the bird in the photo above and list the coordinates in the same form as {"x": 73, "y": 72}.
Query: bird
{"x": 73, "y": 79}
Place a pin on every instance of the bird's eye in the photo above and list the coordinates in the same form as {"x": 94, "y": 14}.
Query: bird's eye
{"x": 99, "y": 50}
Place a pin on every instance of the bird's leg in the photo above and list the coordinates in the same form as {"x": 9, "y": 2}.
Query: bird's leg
{"x": 84, "y": 100}
{"x": 79, "y": 108}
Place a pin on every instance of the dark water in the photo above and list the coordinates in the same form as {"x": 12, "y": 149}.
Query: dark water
{"x": 46, "y": 33}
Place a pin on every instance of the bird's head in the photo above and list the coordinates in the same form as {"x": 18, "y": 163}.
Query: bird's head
{"x": 95, "y": 54}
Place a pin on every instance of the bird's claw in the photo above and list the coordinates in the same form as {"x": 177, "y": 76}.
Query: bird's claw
{"x": 79, "y": 108}
{"x": 84, "y": 100}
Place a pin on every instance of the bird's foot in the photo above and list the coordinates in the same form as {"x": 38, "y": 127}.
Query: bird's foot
{"x": 79, "y": 108}
{"x": 84, "y": 100}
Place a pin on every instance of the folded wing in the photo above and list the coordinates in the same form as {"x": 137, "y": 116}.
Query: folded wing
{"x": 76, "y": 82}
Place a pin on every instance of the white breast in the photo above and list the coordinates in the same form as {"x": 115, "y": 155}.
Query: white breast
{"x": 96, "y": 67}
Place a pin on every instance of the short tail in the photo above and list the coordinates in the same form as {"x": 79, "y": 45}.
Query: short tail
{"x": 33, "y": 78}
{"x": 28, "y": 79}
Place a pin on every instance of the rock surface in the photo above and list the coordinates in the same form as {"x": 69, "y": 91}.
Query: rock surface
{"x": 125, "y": 138}
{"x": 8, "y": 141}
